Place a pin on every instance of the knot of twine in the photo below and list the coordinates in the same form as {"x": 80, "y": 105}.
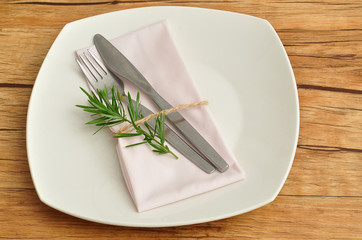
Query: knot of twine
{"x": 167, "y": 111}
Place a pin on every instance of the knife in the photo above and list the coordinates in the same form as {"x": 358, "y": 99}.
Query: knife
{"x": 120, "y": 66}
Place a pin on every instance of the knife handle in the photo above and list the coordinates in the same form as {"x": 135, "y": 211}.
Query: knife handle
{"x": 190, "y": 133}
{"x": 178, "y": 143}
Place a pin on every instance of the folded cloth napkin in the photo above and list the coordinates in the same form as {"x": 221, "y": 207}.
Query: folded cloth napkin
{"x": 155, "y": 180}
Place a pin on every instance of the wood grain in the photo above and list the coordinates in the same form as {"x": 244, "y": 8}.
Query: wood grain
{"x": 322, "y": 197}
{"x": 288, "y": 217}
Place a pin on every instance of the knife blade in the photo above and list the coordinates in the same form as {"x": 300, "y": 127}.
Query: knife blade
{"x": 120, "y": 66}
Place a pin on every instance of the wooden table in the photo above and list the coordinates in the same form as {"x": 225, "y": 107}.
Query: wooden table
{"x": 322, "y": 197}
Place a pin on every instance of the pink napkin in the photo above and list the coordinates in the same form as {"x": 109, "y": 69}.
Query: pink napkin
{"x": 155, "y": 180}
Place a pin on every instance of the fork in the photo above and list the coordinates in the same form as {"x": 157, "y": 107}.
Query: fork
{"x": 98, "y": 77}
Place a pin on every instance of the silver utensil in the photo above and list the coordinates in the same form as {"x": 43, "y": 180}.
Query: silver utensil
{"x": 120, "y": 66}
{"x": 98, "y": 77}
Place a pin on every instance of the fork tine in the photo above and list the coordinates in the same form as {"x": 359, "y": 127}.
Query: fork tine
{"x": 84, "y": 70}
{"x": 101, "y": 66}
{"x": 100, "y": 72}
{"x": 86, "y": 74}
{"x": 89, "y": 66}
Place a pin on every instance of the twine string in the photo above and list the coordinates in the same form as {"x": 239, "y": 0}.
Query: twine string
{"x": 126, "y": 128}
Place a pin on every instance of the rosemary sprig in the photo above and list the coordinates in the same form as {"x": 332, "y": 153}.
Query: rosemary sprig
{"x": 110, "y": 111}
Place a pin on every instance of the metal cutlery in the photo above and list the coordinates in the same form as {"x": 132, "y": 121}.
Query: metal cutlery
{"x": 120, "y": 66}
{"x": 98, "y": 77}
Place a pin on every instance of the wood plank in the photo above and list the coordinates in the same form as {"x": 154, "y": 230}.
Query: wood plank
{"x": 23, "y": 52}
{"x": 327, "y": 55}
{"x": 14, "y": 107}
{"x": 15, "y": 174}
{"x": 288, "y": 217}
{"x": 318, "y": 171}
{"x": 300, "y": 14}
{"x": 339, "y": 67}
{"x": 330, "y": 119}
{"x": 13, "y": 148}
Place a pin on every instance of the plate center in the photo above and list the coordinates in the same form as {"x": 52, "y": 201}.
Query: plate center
{"x": 224, "y": 101}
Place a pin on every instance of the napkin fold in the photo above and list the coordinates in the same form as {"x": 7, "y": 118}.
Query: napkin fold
{"x": 155, "y": 180}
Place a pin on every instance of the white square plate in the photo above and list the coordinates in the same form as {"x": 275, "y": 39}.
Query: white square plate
{"x": 237, "y": 60}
